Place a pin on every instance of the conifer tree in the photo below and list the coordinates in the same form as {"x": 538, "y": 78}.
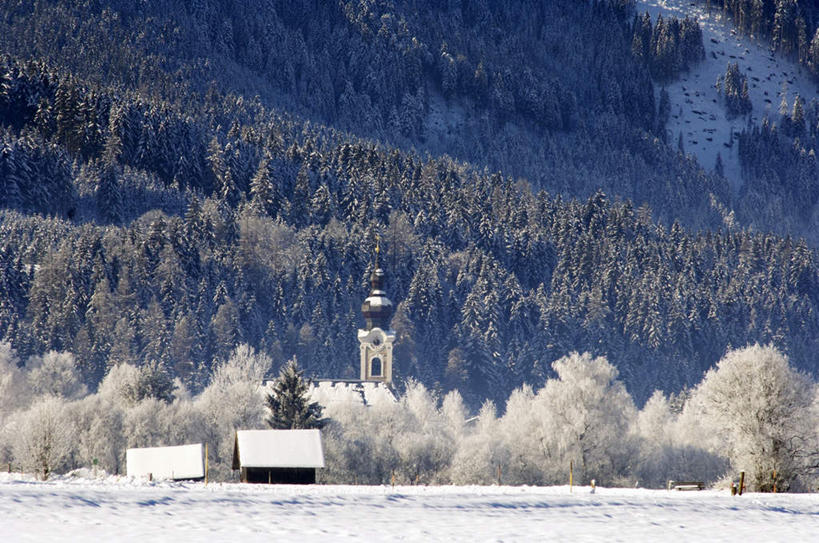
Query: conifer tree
{"x": 290, "y": 407}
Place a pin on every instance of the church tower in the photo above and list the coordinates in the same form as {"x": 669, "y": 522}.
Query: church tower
{"x": 376, "y": 338}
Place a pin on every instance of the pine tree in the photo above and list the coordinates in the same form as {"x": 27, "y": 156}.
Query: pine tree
{"x": 290, "y": 408}
{"x": 152, "y": 381}
{"x": 262, "y": 191}
{"x": 109, "y": 196}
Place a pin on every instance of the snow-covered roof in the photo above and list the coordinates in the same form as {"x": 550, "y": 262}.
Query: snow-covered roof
{"x": 180, "y": 462}
{"x": 328, "y": 391}
{"x": 279, "y": 449}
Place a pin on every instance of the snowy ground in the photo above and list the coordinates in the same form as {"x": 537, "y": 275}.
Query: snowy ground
{"x": 124, "y": 510}
{"x": 697, "y": 111}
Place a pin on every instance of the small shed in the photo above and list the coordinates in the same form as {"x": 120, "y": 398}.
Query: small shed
{"x": 177, "y": 463}
{"x": 278, "y": 456}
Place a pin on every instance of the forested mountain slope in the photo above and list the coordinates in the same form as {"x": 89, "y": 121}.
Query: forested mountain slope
{"x": 179, "y": 178}
{"x": 529, "y": 88}
{"x": 749, "y": 110}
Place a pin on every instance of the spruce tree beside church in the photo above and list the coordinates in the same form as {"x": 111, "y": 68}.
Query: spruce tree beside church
{"x": 290, "y": 407}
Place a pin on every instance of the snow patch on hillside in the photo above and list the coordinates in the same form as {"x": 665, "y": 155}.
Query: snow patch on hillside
{"x": 697, "y": 110}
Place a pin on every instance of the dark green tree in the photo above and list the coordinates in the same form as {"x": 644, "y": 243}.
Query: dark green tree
{"x": 290, "y": 407}
{"x": 153, "y": 381}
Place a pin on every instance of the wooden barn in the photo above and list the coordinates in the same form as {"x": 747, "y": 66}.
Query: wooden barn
{"x": 278, "y": 456}
{"x": 183, "y": 462}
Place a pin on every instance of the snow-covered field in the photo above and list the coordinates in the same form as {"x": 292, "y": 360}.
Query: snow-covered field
{"x": 697, "y": 111}
{"x": 115, "y": 509}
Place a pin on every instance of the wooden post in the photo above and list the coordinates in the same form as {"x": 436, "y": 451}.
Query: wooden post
{"x": 206, "y": 464}
{"x": 499, "y": 475}
{"x": 571, "y": 474}
{"x": 774, "y": 481}
{"x": 741, "y": 482}
{"x": 392, "y": 478}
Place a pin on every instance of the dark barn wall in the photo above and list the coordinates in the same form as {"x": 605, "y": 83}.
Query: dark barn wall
{"x": 292, "y": 476}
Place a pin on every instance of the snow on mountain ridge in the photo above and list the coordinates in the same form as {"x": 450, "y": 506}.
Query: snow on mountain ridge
{"x": 697, "y": 111}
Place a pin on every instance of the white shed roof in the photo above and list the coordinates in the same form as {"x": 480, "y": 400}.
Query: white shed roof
{"x": 280, "y": 449}
{"x": 181, "y": 462}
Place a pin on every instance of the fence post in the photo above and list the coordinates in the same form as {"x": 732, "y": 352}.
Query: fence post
{"x": 741, "y": 482}
{"x": 499, "y": 474}
{"x": 571, "y": 474}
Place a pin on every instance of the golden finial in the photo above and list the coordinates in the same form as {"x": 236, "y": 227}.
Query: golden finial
{"x": 377, "y": 249}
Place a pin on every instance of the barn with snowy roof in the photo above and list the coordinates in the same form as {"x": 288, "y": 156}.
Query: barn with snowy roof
{"x": 278, "y": 456}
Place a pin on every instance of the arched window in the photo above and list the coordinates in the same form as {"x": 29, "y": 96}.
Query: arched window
{"x": 375, "y": 367}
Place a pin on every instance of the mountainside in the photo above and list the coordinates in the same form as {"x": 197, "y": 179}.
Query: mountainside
{"x": 181, "y": 178}
{"x": 749, "y": 110}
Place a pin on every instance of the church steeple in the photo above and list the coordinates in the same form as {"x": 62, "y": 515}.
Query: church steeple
{"x": 377, "y": 308}
{"x": 376, "y": 338}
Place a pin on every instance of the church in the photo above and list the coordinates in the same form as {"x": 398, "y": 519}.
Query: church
{"x": 376, "y": 341}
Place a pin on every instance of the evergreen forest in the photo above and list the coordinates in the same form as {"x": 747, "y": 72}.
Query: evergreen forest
{"x": 181, "y": 178}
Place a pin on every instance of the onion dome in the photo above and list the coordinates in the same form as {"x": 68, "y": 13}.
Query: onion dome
{"x": 377, "y": 308}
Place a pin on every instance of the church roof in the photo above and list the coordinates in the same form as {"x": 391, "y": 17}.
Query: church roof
{"x": 330, "y": 391}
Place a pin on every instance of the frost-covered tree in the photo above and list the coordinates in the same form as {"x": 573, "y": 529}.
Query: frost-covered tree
{"x": 481, "y": 452}
{"x": 671, "y": 447}
{"x": 99, "y": 434}
{"x": 289, "y": 404}
{"x": 424, "y": 443}
{"x": 14, "y": 389}
{"x": 586, "y": 416}
{"x": 232, "y": 401}
{"x": 56, "y": 374}
{"x": 759, "y": 412}
{"x": 44, "y": 436}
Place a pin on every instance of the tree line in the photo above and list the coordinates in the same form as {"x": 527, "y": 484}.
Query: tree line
{"x": 752, "y": 412}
